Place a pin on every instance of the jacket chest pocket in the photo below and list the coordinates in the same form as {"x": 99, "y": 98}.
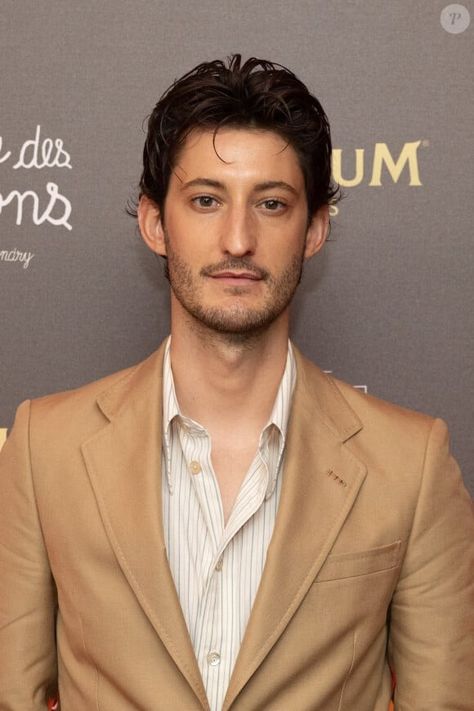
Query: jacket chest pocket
{"x": 344, "y": 566}
{"x": 352, "y": 594}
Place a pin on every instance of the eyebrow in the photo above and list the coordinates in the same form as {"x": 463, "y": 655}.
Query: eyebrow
{"x": 260, "y": 187}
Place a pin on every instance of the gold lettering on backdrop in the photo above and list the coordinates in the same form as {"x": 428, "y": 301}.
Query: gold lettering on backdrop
{"x": 337, "y": 168}
{"x": 408, "y": 156}
{"x": 3, "y": 436}
{"x": 383, "y": 157}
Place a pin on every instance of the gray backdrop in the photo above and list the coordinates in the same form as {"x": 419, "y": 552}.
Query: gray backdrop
{"x": 388, "y": 305}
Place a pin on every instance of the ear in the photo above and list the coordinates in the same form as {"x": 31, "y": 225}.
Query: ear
{"x": 151, "y": 226}
{"x": 318, "y": 231}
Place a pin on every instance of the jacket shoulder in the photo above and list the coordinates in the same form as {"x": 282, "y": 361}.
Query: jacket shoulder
{"x": 375, "y": 430}
{"x": 84, "y": 394}
{"x": 370, "y": 408}
{"x": 340, "y": 397}
{"x": 392, "y": 437}
{"x": 76, "y": 413}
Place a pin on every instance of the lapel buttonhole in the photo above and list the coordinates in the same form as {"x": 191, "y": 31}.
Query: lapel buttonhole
{"x": 335, "y": 477}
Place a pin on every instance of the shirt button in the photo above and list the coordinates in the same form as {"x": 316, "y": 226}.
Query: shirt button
{"x": 213, "y": 659}
{"x": 219, "y": 563}
{"x": 195, "y": 467}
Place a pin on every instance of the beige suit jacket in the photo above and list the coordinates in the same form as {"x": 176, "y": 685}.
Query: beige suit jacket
{"x": 370, "y": 563}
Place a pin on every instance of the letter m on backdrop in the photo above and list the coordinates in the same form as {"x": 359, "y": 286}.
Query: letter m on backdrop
{"x": 408, "y": 157}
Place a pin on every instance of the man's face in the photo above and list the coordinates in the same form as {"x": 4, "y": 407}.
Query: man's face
{"x": 235, "y": 231}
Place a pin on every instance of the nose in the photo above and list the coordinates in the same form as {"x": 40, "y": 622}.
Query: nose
{"x": 238, "y": 236}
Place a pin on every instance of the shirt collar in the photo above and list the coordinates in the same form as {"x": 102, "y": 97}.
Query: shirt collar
{"x": 277, "y": 422}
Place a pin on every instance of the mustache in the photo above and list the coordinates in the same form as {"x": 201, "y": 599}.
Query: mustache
{"x": 237, "y": 263}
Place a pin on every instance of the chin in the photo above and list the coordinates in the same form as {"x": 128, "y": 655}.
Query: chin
{"x": 239, "y": 323}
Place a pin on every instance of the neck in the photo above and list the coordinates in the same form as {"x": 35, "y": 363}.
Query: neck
{"x": 222, "y": 380}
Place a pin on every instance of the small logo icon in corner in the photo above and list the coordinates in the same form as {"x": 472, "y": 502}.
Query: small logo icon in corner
{"x": 455, "y": 18}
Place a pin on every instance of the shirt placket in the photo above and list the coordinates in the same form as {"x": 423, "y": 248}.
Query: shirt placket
{"x": 208, "y": 639}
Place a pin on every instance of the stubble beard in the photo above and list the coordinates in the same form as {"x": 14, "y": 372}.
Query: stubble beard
{"x": 236, "y": 323}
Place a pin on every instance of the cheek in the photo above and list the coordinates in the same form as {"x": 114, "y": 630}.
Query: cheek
{"x": 285, "y": 248}
{"x": 288, "y": 232}
{"x": 192, "y": 239}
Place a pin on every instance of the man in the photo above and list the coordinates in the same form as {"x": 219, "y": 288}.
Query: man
{"x": 223, "y": 526}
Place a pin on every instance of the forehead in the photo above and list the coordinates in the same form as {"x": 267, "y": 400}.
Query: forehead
{"x": 243, "y": 153}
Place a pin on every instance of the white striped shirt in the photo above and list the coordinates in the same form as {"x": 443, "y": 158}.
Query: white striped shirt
{"x": 217, "y": 568}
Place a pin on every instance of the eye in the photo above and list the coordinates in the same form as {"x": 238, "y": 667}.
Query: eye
{"x": 273, "y": 205}
{"x": 204, "y": 201}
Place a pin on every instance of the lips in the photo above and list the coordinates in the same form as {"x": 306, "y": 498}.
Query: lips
{"x": 234, "y": 271}
{"x": 236, "y": 276}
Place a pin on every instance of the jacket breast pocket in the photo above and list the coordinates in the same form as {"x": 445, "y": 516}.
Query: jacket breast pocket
{"x": 351, "y": 565}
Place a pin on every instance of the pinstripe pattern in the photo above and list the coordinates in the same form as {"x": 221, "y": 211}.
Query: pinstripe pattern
{"x": 217, "y": 569}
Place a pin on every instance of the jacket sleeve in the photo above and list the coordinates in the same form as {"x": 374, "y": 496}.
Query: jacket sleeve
{"x": 27, "y": 591}
{"x": 431, "y": 643}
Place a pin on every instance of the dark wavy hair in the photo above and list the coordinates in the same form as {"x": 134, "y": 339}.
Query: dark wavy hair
{"x": 257, "y": 94}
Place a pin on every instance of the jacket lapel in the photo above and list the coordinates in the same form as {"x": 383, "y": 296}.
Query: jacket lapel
{"x": 124, "y": 465}
{"x": 321, "y": 480}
